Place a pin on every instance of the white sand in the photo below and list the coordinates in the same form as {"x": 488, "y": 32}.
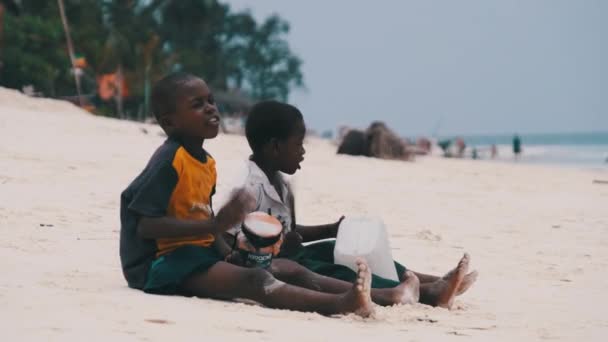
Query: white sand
{"x": 538, "y": 237}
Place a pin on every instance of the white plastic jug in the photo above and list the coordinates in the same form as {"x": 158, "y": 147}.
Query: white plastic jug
{"x": 366, "y": 238}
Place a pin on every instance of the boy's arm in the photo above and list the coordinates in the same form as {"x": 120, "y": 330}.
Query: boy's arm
{"x": 221, "y": 246}
{"x": 225, "y": 250}
{"x": 168, "y": 227}
{"x": 320, "y": 232}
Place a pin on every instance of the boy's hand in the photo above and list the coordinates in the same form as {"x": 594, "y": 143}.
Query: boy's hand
{"x": 234, "y": 258}
{"x": 291, "y": 243}
{"x": 334, "y": 227}
{"x": 232, "y": 213}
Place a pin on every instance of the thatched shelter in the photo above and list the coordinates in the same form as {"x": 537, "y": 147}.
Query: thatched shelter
{"x": 377, "y": 141}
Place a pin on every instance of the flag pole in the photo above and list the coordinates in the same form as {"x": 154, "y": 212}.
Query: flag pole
{"x": 66, "y": 29}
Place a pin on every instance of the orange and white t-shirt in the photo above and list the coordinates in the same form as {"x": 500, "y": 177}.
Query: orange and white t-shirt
{"x": 175, "y": 184}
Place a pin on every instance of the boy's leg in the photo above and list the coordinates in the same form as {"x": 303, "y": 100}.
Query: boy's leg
{"x": 442, "y": 292}
{"x": 341, "y": 272}
{"x": 406, "y": 292}
{"x": 467, "y": 282}
{"x": 227, "y": 281}
{"x": 318, "y": 257}
{"x": 427, "y": 279}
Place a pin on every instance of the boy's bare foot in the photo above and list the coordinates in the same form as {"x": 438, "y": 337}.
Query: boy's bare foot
{"x": 442, "y": 292}
{"x": 467, "y": 282}
{"x": 408, "y": 292}
{"x": 358, "y": 300}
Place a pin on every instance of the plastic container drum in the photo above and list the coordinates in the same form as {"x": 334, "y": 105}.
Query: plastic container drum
{"x": 260, "y": 239}
{"x": 366, "y": 238}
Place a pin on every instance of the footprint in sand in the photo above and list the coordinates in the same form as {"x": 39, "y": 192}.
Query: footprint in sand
{"x": 428, "y": 235}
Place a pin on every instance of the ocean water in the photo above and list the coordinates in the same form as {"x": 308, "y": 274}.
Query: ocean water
{"x": 564, "y": 149}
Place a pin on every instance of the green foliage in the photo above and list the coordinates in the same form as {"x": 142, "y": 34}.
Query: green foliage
{"x": 33, "y": 50}
{"x": 272, "y": 67}
{"x": 147, "y": 39}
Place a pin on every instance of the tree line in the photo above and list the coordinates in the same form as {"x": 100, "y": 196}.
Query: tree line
{"x": 122, "y": 46}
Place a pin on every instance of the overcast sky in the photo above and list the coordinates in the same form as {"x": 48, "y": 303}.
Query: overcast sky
{"x": 449, "y": 67}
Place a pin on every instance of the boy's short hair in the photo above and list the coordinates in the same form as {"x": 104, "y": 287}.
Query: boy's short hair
{"x": 270, "y": 119}
{"x": 165, "y": 92}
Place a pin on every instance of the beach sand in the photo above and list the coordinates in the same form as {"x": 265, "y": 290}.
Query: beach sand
{"x": 538, "y": 237}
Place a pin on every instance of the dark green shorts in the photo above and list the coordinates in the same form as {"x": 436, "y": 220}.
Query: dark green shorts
{"x": 169, "y": 271}
{"x": 319, "y": 258}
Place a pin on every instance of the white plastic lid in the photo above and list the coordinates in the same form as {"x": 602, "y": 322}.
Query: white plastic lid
{"x": 262, "y": 224}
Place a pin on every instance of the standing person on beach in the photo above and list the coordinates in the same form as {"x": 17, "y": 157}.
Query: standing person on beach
{"x": 169, "y": 229}
{"x": 516, "y": 147}
{"x": 275, "y": 132}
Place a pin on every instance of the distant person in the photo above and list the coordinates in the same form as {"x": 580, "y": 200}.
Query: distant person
{"x": 424, "y": 145}
{"x": 516, "y": 147}
{"x": 493, "y": 151}
{"x": 460, "y": 146}
{"x": 445, "y": 147}
{"x": 475, "y": 154}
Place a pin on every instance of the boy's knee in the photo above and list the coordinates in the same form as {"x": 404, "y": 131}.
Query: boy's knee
{"x": 262, "y": 283}
{"x": 258, "y": 277}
